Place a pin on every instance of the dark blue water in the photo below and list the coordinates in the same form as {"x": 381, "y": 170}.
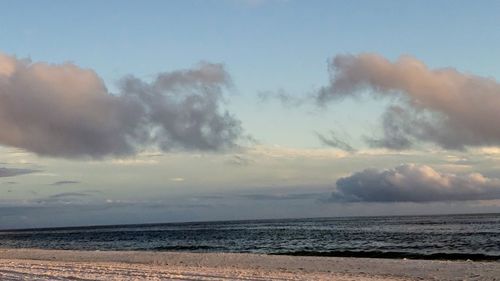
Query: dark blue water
{"x": 475, "y": 237}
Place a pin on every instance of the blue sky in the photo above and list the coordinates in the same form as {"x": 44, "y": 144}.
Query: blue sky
{"x": 266, "y": 47}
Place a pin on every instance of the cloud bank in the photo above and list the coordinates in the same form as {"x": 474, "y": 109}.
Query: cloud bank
{"x": 66, "y": 111}
{"x": 414, "y": 183}
{"x": 442, "y": 106}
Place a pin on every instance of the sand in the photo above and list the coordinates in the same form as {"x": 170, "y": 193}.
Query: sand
{"x": 31, "y": 264}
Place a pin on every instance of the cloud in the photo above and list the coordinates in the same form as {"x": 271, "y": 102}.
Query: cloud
{"x": 66, "y": 111}
{"x": 414, "y": 183}
{"x": 334, "y": 141}
{"x": 442, "y": 106}
{"x": 11, "y": 172}
{"x": 65, "y": 182}
{"x": 65, "y": 198}
{"x": 239, "y": 160}
{"x": 68, "y": 194}
{"x": 284, "y": 98}
{"x": 287, "y": 196}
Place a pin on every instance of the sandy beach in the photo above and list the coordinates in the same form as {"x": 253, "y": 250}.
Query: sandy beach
{"x": 33, "y": 264}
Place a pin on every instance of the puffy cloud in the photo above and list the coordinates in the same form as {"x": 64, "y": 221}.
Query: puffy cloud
{"x": 441, "y": 106}
{"x": 66, "y": 111}
{"x": 414, "y": 183}
{"x": 11, "y": 172}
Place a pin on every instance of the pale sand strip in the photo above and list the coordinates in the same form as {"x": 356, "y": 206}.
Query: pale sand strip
{"x": 31, "y": 264}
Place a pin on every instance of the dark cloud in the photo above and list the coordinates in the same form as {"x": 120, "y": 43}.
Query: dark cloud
{"x": 334, "y": 141}
{"x": 66, "y": 198}
{"x": 414, "y": 183}
{"x": 11, "y": 172}
{"x": 69, "y": 194}
{"x": 66, "y": 111}
{"x": 66, "y": 182}
{"x": 442, "y": 106}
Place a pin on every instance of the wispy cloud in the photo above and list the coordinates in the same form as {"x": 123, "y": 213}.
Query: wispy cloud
{"x": 65, "y": 182}
{"x": 11, "y": 172}
{"x": 65, "y": 198}
{"x": 283, "y": 97}
{"x": 239, "y": 160}
{"x": 335, "y": 141}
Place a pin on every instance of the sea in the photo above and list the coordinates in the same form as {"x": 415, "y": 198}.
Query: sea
{"x": 443, "y": 237}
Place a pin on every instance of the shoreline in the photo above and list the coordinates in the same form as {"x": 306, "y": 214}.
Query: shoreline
{"x": 111, "y": 265}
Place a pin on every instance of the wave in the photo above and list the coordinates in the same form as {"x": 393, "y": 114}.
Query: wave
{"x": 394, "y": 255}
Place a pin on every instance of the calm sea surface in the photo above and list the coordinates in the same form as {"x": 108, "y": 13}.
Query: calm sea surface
{"x": 475, "y": 237}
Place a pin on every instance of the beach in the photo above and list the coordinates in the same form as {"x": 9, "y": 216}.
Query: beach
{"x": 35, "y": 264}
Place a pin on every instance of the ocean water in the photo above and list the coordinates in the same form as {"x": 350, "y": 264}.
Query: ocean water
{"x": 475, "y": 237}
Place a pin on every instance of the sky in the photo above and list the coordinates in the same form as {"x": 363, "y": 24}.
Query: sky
{"x": 116, "y": 112}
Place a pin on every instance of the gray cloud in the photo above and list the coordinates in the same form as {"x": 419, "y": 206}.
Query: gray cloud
{"x": 65, "y": 182}
{"x": 68, "y": 194}
{"x": 414, "y": 183}
{"x": 442, "y": 106}
{"x": 239, "y": 160}
{"x": 66, "y": 198}
{"x": 334, "y": 141}
{"x": 66, "y": 111}
{"x": 11, "y": 172}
